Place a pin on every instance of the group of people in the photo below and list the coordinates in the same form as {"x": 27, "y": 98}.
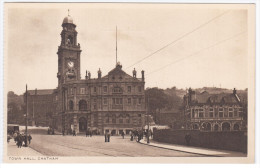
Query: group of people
{"x": 140, "y": 134}
{"x": 21, "y": 140}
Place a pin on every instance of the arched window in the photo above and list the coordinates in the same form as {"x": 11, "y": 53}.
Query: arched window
{"x": 195, "y": 126}
{"x": 82, "y": 105}
{"x": 70, "y": 40}
{"x": 71, "y": 105}
{"x": 225, "y": 126}
{"x": 206, "y": 126}
{"x": 236, "y": 127}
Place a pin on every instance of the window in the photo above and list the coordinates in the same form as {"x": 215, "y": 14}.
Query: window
{"x": 105, "y": 89}
{"x": 114, "y": 118}
{"x": 95, "y": 89}
{"x": 117, "y": 90}
{"x": 118, "y": 101}
{"x": 120, "y": 119}
{"x": 230, "y": 114}
{"x": 220, "y": 114}
{"x": 82, "y": 105}
{"x": 129, "y": 89}
{"x": 71, "y": 105}
{"x": 105, "y": 101}
{"x": 107, "y": 118}
{"x": 235, "y": 113}
{"x": 139, "y": 88}
{"x": 220, "y": 109}
{"x": 129, "y": 100}
{"x": 230, "y": 109}
{"x": 127, "y": 118}
{"x": 210, "y": 114}
{"x": 139, "y": 115}
{"x": 211, "y": 109}
{"x": 201, "y": 115}
{"x": 192, "y": 113}
{"x": 95, "y": 100}
{"x": 95, "y": 106}
{"x": 71, "y": 91}
{"x": 240, "y": 114}
{"x": 82, "y": 90}
{"x": 139, "y": 100}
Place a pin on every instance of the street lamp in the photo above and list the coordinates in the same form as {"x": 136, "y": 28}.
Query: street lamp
{"x": 26, "y": 118}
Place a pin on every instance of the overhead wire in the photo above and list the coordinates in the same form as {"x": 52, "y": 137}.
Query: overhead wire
{"x": 205, "y": 48}
{"x": 179, "y": 38}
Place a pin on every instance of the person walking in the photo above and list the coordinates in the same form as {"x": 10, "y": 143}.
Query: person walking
{"x": 105, "y": 136}
{"x": 123, "y": 134}
{"x": 74, "y": 132}
{"x": 29, "y": 138}
{"x": 108, "y": 136}
{"x": 187, "y": 139}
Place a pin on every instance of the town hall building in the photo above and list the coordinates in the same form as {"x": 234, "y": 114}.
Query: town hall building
{"x": 114, "y": 102}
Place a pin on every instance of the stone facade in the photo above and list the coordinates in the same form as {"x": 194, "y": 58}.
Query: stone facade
{"x": 213, "y": 112}
{"x": 114, "y": 102}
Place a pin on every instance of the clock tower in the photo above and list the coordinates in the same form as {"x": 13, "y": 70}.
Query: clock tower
{"x": 68, "y": 53}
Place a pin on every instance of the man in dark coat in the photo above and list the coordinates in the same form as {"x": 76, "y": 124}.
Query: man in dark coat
{"x": 29, "y": 138}
{"x": 187, "y": 139}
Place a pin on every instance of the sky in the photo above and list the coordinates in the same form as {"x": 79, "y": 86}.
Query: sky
{"x": 194, "y": 46}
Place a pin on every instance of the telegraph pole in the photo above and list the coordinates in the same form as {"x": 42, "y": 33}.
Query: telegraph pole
{"x": 26, "y": 117}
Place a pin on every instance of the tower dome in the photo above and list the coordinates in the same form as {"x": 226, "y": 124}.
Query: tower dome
{"x": 68, "y": 19}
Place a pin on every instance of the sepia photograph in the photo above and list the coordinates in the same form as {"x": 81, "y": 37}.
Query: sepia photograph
{"x": 129, "y": 83}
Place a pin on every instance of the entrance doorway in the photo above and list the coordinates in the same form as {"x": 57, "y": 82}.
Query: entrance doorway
{"x": 82, "y": 124}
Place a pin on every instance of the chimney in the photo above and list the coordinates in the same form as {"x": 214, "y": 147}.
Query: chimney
{"x": 234, "y": 91}
{"x": 86, "y": 77}
{"x": 134, "y": 73}
{"x": 89, "y": 75}
{"x": 142, "y": 75}
{"x": 99, "y": 73}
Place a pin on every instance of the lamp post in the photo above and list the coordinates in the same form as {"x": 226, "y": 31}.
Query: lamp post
{"x": 147, "y": 119}
{"x": 26, "y": 118}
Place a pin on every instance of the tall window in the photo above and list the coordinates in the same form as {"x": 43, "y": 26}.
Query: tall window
{"x": 107, "y": 118}
{"x": 120, "y": 119}
{"x": 139, "y": 100}
{"x": 82, "y": 105}
{"x": 129, "y": 101}
{"x": 127, "y": 118}
{"x": 105, "y": 101}
{"x": 118, "y": 101}
{"x": 105, "y": 89}
{"x": 113, "y": 118}
{"x": 129, "y": 89}
{"x": 139, "y": 89}
{"x": 95, "y": 89}
{"x": 71, "y": 105}
{"x": 82, "y": 90}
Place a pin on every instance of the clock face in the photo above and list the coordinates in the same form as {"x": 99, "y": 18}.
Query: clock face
{"x": 70, "y": 64}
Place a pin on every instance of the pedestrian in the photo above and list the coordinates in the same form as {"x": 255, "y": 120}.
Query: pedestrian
{"x": 123, "y": 134}
{"x": 90, "y": 133}
{"x": 29, "y": 138}
{"x": 8, "y": 138}
{"x": 63, "y": 132}
{"x": 86, "y": 133}
{"x": 74, "y": 132}
{"x": 53, "y": 131}
{"x": 132, "y": 136}
{"x": 187, "y": 139}
{"x": 108, "y": 136}
{"x": 105, "y": 136}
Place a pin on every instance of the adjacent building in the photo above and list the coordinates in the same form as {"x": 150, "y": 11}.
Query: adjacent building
{"x": 214, "y": 112}
{"x": 114, "y": 102}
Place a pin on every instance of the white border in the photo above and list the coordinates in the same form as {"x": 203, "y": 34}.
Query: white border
{"x": 257, "y": 110}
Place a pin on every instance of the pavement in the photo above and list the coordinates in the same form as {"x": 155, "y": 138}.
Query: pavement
{"x": 194, "y": 150}
{"x": 13, "y": 150}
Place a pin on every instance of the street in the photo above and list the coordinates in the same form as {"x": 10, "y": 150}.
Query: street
{"x": 58, "y": 145}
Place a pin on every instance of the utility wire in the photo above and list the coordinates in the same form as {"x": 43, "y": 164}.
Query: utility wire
{"x": 206, "y": 48}
{"x": 178, "y": 39}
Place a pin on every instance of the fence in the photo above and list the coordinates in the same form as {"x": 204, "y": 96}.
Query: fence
{"x": 232, "y": 140}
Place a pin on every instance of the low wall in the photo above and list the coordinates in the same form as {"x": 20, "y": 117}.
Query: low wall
{"x": 233, "y": 140}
